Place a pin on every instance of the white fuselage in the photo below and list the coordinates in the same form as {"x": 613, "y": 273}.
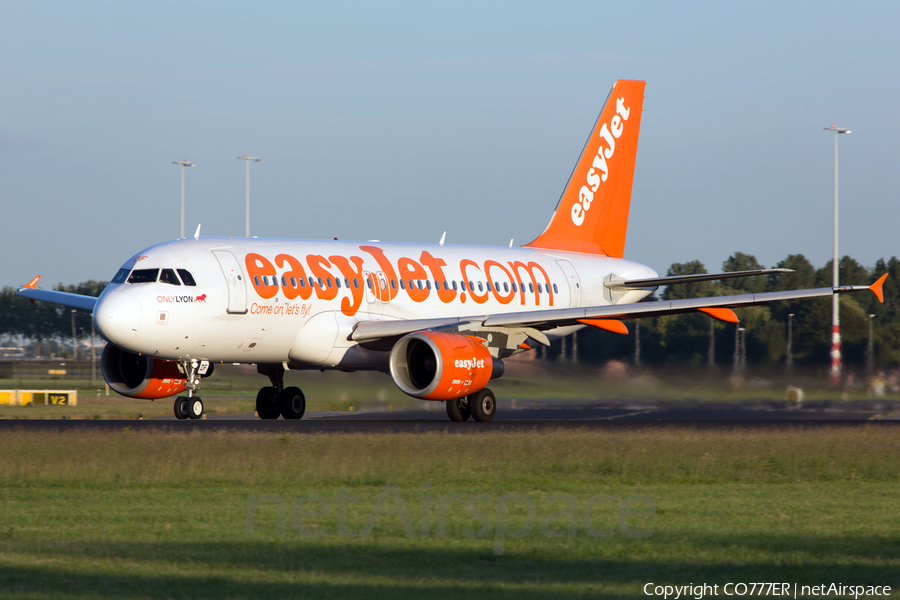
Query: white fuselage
{"x": 249, "y": 305}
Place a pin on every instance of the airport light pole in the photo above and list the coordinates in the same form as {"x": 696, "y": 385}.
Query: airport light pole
{"x": 870, "y": 350}
{"x": 183, "y": 163}
{"x": 248, "y": 160}
{"x": 790, "y": 343}
{"x": 74, "y": 337}
{"x": 637, "y": 342}
{"x": 835, "y": 305}
{"x": 93, "y": 356}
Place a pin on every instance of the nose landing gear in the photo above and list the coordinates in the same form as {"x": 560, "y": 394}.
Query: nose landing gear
{"x": 191, "y": 407}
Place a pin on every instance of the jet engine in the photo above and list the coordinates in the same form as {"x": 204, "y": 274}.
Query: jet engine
{"x": 139, "y": 376}
{"x": 442, "y": 366}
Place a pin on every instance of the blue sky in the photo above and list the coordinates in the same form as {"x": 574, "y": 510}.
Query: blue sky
{"x": 397, "y": 121}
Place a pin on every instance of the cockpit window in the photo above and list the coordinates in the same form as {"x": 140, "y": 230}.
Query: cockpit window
{"x": 143, "y": 276}
{"x": 121, "y": 276}
{"x": 186, "y": 277}
{"x": 168, "y": 276}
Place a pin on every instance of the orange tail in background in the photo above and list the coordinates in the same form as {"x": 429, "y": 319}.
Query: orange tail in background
{"x": 592, "y": 214}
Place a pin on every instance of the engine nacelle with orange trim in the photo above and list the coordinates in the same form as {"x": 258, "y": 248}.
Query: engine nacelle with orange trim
{"x": 442, "y": 366}
{"x": 138, "y": 376}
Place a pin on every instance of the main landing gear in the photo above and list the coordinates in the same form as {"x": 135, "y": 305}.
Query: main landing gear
{"x": 191, "y": 407}
{"x": 481, "y": 406}
{"x": 275, "y": 400}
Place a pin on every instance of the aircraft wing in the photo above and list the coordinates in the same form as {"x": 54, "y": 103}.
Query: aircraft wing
{"x": 559, "y": 317}
{"x": 66, "y": 299}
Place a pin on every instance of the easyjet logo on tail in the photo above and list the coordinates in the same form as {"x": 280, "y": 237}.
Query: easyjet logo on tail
{"x": 592, "y": 213}
{"x": 600, "y": 169}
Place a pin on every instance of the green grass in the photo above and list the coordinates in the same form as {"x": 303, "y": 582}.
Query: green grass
{"x": 147, "y": 515}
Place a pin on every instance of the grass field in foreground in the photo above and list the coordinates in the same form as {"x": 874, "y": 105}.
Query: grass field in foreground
{"x": 131, "y": 514}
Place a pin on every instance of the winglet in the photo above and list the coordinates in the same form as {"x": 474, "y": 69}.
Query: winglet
{"x": 33, "y": 283}
{"x": 876, "y": 288}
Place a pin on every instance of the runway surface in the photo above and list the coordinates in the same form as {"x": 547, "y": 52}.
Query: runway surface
{"x": 534, "y": 415}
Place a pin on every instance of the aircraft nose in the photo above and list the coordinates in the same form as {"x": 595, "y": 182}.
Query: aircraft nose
{"x": 117, "y": 317}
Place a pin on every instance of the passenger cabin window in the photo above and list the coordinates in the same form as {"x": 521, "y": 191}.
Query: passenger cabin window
{"x": 555, "y": 289}
{"x": 169, "y": 276}
{"x": 143, "y": 276}
{"x": 121, "y": 276}
{"x": 187, "y": 278}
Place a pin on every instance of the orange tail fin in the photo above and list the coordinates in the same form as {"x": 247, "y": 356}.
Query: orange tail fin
{"x": 592, "y": 214}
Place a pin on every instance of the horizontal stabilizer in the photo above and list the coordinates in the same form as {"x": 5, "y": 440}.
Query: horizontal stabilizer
{"x": 632, "y": 284}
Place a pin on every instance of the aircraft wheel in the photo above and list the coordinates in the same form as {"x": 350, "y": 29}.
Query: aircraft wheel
{"x": 483, "y": 405}
{"x": 458, "y": 410}
{"x": 181, "y": 407}
{"x": 195, "y": 407}
{"x": 266, "y": 407}
{"x": 292, "y": 403}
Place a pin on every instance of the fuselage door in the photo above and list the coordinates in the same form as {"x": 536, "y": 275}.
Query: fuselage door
{"x": 371, "y": 284}
{"x": 383, "y": 292}
{"x": 573, "y": 281}
{"x": 234, "y": 277}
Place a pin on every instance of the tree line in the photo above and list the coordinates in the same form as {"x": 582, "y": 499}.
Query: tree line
{"x": 24, "y": 321}
{"x": 685, "y": 339}
{"x": 674, "y": 339}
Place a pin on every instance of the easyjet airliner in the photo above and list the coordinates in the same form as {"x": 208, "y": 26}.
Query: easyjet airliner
{"x": 440, "y": 319}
